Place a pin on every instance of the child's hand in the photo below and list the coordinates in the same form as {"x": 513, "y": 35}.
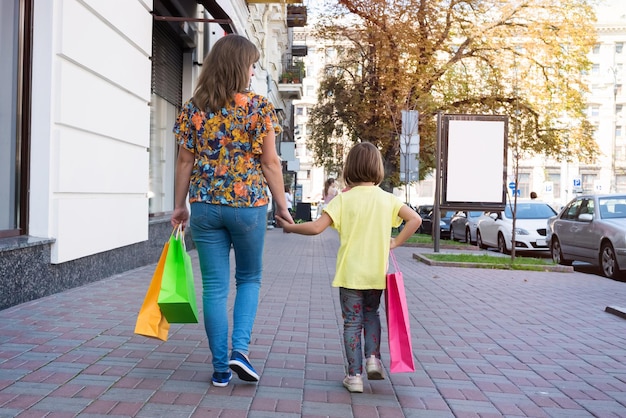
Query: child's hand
{"x": 282, "y": 223}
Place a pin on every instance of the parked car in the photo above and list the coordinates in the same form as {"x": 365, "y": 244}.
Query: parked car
{"x": 591, "y": 228}
{"x": 424, "y": 212}
{"x": 401, "y": 227}
{"x": 495, "y": 229}
{"x": 444, "y": 223}
{"x": 463, "y": 225}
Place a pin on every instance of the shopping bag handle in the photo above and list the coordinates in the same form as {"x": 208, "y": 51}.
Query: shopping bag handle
{"x": 179, "y": 234}
{"x": 393, "y": 260}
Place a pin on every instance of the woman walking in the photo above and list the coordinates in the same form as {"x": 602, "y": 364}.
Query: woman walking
{"x": 227, "y": 159}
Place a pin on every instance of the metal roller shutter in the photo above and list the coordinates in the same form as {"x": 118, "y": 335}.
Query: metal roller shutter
{"x": 167, "y": 63}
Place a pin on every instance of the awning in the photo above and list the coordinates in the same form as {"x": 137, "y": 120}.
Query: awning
{"x": 223, "y": 11}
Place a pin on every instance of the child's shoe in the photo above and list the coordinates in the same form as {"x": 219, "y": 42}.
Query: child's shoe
{"x": 354, "y": 384}
{"x": 374, "y": 368}
{"x": 240, "y": 364}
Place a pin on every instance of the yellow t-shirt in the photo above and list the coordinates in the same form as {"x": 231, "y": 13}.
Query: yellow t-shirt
{"x": 363, "y": 216}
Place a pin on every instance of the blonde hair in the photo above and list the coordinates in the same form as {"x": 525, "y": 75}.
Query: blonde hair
{"x": 225, "y": 72}
{"x": 364, "y": 164}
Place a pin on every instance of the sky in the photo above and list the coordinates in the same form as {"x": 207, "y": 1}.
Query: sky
{"x": 611, "y": 11}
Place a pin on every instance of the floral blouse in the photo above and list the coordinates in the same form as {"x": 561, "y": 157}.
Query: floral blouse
{"x": 227, "y": 148}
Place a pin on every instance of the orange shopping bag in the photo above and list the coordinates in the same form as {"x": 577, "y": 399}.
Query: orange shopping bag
{"x": 150, "y": 321}
{"x": 398, "y": 328}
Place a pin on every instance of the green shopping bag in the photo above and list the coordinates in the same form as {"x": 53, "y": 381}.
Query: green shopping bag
{"x": 177, "y": 298}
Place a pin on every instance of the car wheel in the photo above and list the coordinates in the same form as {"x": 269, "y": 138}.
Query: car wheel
{"x": 468, "y": 236}
{"x": 608, "y": 262}
{"x": 479, "y": 241}
{"x": 557, "y": 253}
{"x": 502, "y": 244}
{"x": 452, "y": 237}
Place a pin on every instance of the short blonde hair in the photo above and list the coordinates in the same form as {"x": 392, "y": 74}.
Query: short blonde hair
{"x": 364, "y": 164}
{"x": 225, "y": 72}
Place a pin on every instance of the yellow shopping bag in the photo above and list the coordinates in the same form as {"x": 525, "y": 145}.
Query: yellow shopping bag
{"x": 150, "y": 321}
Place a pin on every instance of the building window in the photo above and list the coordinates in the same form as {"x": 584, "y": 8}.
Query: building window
{"x": 620, "y": 153}
{"x": 299, "y": 111}
{"x": 166, "y": 100}
{"x": 596, "y": 49}
{"x": 619, "y": 46}
{"x": 618, "y": 131}
{"x": 620, "y": 183}
{"x": 588, "y": 182}
{"x": 523, "y": 184}
{"x": 595, "y": 111}
{"x": 595, "y": 69}
{"x": 162, "y": 156}
{"x": 618, "y": 109}
{"x": 555, "y": 179}
{"x": 15, "y": 47}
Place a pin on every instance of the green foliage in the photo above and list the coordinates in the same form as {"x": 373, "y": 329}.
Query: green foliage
{"x": 521, "y": 59}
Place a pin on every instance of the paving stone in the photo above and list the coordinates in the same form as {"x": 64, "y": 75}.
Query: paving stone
{"x": 486, "y": 342}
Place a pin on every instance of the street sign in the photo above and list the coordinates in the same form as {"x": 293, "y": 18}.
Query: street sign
{"x": 512, "y": 185}
{"x": 577, "y": 183}
{"x": 548, "y": 187}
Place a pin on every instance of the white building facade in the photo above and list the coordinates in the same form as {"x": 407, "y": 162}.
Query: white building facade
{"x": 88, "y": 100}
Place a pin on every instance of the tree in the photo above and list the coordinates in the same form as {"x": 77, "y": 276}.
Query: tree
{"x": 525, "y": 59}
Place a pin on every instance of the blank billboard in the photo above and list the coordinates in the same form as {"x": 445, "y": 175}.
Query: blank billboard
{"x": 474, "y": 157}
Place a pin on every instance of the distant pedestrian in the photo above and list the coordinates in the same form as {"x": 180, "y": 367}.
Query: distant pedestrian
{"x": 533, "y": 195}
{"x": 364, "y": 218}
{"x": 328, "y": 194}
{"x": 227, "y": 159}
{"x": 330, "y": 190}
{"x": 289, "y": 199}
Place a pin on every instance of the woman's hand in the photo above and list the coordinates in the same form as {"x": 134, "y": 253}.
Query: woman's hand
{"x": 180, "y": 216}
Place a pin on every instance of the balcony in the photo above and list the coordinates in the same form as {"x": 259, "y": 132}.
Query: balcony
{"x": 296, "y": 16}
{"x": 290, "y": 80}
{"x": 290, "y": 89}
{"x": 299, "y": 51}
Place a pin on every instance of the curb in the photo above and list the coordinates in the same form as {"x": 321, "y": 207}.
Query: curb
{"x": 425, "y": 260}
{"x": 616, "y": 310}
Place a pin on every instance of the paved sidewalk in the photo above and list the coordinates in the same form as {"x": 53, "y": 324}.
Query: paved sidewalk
{"x": 487, "y": 343}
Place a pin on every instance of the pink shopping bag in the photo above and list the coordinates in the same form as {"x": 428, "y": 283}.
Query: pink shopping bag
{"x": 398, "y": 328}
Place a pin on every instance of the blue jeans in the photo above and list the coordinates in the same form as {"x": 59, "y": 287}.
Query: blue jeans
{"x": 214, "y": 229}
{"x": 359, "y": 309}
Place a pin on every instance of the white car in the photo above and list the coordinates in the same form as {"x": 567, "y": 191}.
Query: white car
{"x": 495, "y": 229}
{"x": 463, "y": 225}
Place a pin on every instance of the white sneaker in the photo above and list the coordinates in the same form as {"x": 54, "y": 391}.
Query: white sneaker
{"x": 374, "y": 368}
{"x": 353, "y": 383}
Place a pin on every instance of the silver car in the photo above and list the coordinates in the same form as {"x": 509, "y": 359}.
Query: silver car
{"x": 463, "y": 225}
{"x": 591, "y": 228}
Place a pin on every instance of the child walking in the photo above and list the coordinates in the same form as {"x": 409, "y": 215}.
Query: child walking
{"x": 364, "y": 217}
